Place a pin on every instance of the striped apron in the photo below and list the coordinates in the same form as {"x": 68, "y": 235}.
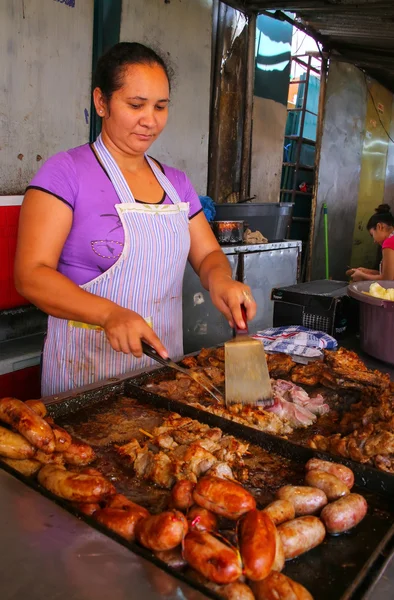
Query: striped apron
{"x": 147, "y": 278}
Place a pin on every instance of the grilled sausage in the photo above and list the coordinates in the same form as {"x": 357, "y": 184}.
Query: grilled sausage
{"x": 173, "y": 558}
{"x": 211, "y": 557}
{"x": 120, "y": 501}
{"x": 257, "y": 535}
{"x": 79, "y": 454}
{"x": 306, "y": 500}
{"x": 13, "y": 445}
{"x": 56, "y": 458}
{"x": 231, "y": 591}
{"x": 27, "y": 466}
{"x": 77, "y": 487}
{"x": 201, "y": 519}
{"x": 280, "y": 511}
{"x": 162, "y": 532}
{"x": 28, "y": 423}
{"x": 343, "y": 473}
{"x": 63, "y": 439}
{"x": 123, "y": 522}
{"x": 181, "y": 495}
{"x": 223, "y": 497}
{"x": 88, "y": 508}
{"x": 344, "y": 514}
{"x": 300, "y": 535}
{"x": 333, "y": 487}
{"x": 280, "y": 559}
{"x": 38, "y": 407}
{"x": 279, "y": 587}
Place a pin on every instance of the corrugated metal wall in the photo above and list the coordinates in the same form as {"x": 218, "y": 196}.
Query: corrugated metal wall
{"x": 45, "y": 66}
{"x": 182, "y": 30}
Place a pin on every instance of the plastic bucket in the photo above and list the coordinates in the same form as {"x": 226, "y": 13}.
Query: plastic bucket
{"x": 376, "y": 321}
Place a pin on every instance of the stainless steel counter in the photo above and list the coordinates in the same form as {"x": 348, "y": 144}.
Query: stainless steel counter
{"x": 47, "y": 553}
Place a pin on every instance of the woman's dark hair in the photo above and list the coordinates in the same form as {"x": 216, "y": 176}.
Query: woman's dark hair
{"x": 382, "y": 215}
{"x": 111, "y": 65}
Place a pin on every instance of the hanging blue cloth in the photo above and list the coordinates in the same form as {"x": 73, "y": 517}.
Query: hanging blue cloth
{"x": 208, "y": 207}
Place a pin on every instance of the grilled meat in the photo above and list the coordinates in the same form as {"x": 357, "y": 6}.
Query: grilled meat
{"x": 279, "y": 365}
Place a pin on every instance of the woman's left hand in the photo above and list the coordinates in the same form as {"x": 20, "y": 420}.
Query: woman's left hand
{"x": 228, "y": 295}
{"x": 358, "y": 275}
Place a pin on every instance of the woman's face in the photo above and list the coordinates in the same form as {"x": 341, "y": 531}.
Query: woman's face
{"x": 136, "y": 113}
{"x": 380, "y": 233}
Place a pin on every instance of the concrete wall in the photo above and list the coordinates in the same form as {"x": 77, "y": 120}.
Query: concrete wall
{"x": 45, "y": 66}
{"x": 182, "y": 30}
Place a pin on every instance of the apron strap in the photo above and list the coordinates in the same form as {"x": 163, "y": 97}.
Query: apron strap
{"x": 119, "y": 182}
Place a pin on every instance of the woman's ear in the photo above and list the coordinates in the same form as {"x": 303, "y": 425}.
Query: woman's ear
{"x": 100, "y": 102}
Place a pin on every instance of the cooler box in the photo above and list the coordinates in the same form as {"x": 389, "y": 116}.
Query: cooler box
{"x": 9, "y": 217}
{"x": 323, "y": 305}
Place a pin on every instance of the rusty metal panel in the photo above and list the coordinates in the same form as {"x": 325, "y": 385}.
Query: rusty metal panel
{"x": 373, "y": 171}
{"x": 340, "y": 166}
{"x": 389, "y": 183}
{"x": 45, "y": 65}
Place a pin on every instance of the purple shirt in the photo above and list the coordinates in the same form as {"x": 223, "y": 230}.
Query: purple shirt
{"x": 96, "y": 239}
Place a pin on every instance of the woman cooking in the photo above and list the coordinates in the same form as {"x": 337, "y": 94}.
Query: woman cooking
{"x": 381, "y": 228}
{"x": 105, "y": 232}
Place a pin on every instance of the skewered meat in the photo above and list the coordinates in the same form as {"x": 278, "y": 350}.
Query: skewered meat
{"x": 211, "y": 557}
{"x": 162, "y": 532}
{"x": 222, "y": 497}
{"x": 182, "y": 495}
{"x": 28, "y": 423}
{"x": 344, "y": 514}
{"x": 333, "y": 487}
{"x": 77, "y": 487}
{"x": 257, "y": 535}
{"x": 201, "y": 519}
{"x": 13, "y": 445}
{"x": 222, "y": 470}
{"x": 79, "y": 454}
{"x": 38, "y": 407}
{"x": 306, "y": 500}
{"x": 279, "y": 587}
{"x": 280, "y": 511}
{"x": 190, "y": 462}
{"x": 27, "y": 466}
{"x": 343, "y": 473}
{"x": 301, "y": 535}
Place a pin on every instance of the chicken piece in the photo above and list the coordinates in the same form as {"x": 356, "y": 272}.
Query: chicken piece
{"x": 190, "y": 462}
{"x": 384, "y": 463}
{"x": 14, "y": 445}
{"x": 221, "y": 470}
{"x": 215, "y": 374}
{"x": 165, "y": 441}
{"x": 130, "y": 450}
{"x": 143, "y": 461}
{"x": 190, "y": 362}
{"x": 231, "y": 449}
{"x": 27, "y": 466}
{"x": 279, "y": 365}
{"x": 76, "y": 487}
{"x": 344, "y": 358}
{"x": 160, "y": 471}
{"x": 307, "y": 374}
{"x": 379, "y": 443}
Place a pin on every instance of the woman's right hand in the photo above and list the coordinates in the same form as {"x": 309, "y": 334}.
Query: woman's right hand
{"x": 125, "y": 329}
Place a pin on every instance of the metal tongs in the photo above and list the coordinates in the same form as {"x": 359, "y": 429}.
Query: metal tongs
{"x": 197, "y": 377}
